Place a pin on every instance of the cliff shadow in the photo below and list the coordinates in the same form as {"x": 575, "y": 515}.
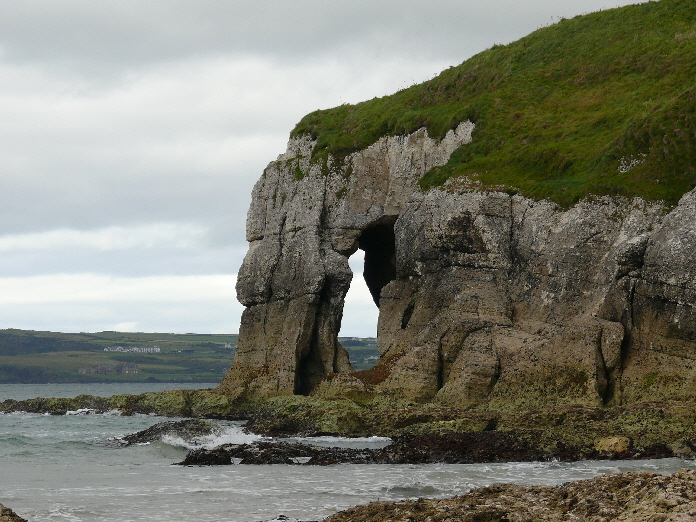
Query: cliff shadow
{"x": 379, "y": 244}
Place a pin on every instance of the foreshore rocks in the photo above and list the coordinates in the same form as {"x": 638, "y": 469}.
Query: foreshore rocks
{"x": 432, "y": 435}
{"x": 174, "y": 403}
{"x": 7, "y": 515}
{"x": 568, "y": 432}
{"x": 629, "y": 497}
{"x": 487, "y": 299}
{"x": 188, "y": 430}
{"x": 564, "y": 432}
{"x": 452, "y": 448}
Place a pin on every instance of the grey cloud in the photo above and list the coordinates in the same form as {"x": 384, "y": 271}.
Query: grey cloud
{"x": 128, "y": 112}
{"x": 128, "y": 33}
{"x": 217, "y": 317}
{"x": 123, "y": 263}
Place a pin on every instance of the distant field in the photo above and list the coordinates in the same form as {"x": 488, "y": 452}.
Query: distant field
{"x": 39, "y": 357}
{"x": 361, "y": 350}
{"x": 43, "y": 357}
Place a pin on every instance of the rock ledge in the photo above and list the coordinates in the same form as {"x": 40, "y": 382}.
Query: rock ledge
{"x": 627, "y": 497}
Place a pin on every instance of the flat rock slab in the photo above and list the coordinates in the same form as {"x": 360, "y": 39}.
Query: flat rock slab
{"x": 452, "y": 448}
{"x": 266, "y": 452}
{"x": 628, "y": 497}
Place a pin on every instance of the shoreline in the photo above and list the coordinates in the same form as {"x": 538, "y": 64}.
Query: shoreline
{"x": 563, "y": 432}
{"x": 424, "y": 434}
{"x": 633, "y": 496}
{"x": 629, "y": 496}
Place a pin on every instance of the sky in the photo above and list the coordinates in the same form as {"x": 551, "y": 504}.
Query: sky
{"x": 133, "y": 132}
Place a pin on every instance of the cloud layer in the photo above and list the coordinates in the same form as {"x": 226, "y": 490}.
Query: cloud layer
{"x": 133, "y": 132}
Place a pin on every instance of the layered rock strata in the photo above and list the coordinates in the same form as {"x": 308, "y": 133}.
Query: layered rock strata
{"x": 305, "y": 220}
{"x": 486, "y": 298}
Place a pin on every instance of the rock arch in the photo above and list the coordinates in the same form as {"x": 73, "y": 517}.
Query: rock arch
{"x": 484, "y": 296}
{"x": 301, "y": 230}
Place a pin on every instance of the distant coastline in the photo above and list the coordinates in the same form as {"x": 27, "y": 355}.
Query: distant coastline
{"x": 33, "y": 357}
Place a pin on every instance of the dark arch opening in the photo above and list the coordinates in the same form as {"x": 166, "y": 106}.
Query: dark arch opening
{"x": 379, "y": 244}
{"x": 378, "y": 267}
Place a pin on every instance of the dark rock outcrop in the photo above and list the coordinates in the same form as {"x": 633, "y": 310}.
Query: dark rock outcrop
{"x": 268, "y": 452}
{"x": 188, "y": 430}
{"x": 486, "y": 299}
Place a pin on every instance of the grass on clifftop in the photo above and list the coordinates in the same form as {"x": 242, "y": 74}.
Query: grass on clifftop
{"x": 603, "y": 103}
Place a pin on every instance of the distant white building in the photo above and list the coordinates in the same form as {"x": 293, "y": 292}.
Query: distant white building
{"x": 133, "y": 349}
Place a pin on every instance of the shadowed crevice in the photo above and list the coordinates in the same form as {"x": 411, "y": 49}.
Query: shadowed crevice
{"x": 379, "y": 245}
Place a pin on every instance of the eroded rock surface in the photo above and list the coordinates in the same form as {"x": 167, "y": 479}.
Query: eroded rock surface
{"x": 7, "y": 515}
{"x": 305, "y": 220}
{"x": 486, "y": 298}
{"x": 188, "y": 430}
{"x": 638, "y": 496}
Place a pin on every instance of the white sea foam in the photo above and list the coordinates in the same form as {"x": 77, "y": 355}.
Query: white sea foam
{"x": 343, "y": 442}
{"x": 226, "y": 434}
{"x": 58, "y": 470}
{"x": 229, "y": 434}
{"x": 82, "y": 411}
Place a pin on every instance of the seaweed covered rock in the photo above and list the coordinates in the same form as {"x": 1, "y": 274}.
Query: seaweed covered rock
{"x": 189, "y": 430}
{"x": 7, "y": 515}
{"x": 628, "y": 497}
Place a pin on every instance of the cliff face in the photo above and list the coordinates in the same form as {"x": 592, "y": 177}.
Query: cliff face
{"x": 485, "y": 298}
{"x": 305, "y": 220}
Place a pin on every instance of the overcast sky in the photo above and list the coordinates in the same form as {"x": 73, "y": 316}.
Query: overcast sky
{"x": 134, "y": 130}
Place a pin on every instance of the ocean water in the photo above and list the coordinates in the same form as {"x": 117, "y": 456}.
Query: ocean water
{"x": 72, "y": 468}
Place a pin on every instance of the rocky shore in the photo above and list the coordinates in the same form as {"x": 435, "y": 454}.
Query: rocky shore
{"x": 7, "y": 515}
{"x": 627, "y": 497}
{"x": 429, "y": 433}
{"x": 575, "y": 432}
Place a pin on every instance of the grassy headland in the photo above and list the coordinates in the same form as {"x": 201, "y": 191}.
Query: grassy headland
{"x": 603, "y": 103}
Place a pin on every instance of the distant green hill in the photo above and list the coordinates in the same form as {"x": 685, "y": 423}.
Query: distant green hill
{"x": 40, "y": 357}
{"x": 28, "y": 356}
{"x": 603, "y": 103}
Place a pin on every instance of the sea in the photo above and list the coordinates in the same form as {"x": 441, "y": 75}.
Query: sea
{"x": 73, "y": 468}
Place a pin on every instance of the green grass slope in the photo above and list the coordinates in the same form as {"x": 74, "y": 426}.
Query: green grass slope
{"x": 40, "y": 357}
{"x": 603, "y": 103}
